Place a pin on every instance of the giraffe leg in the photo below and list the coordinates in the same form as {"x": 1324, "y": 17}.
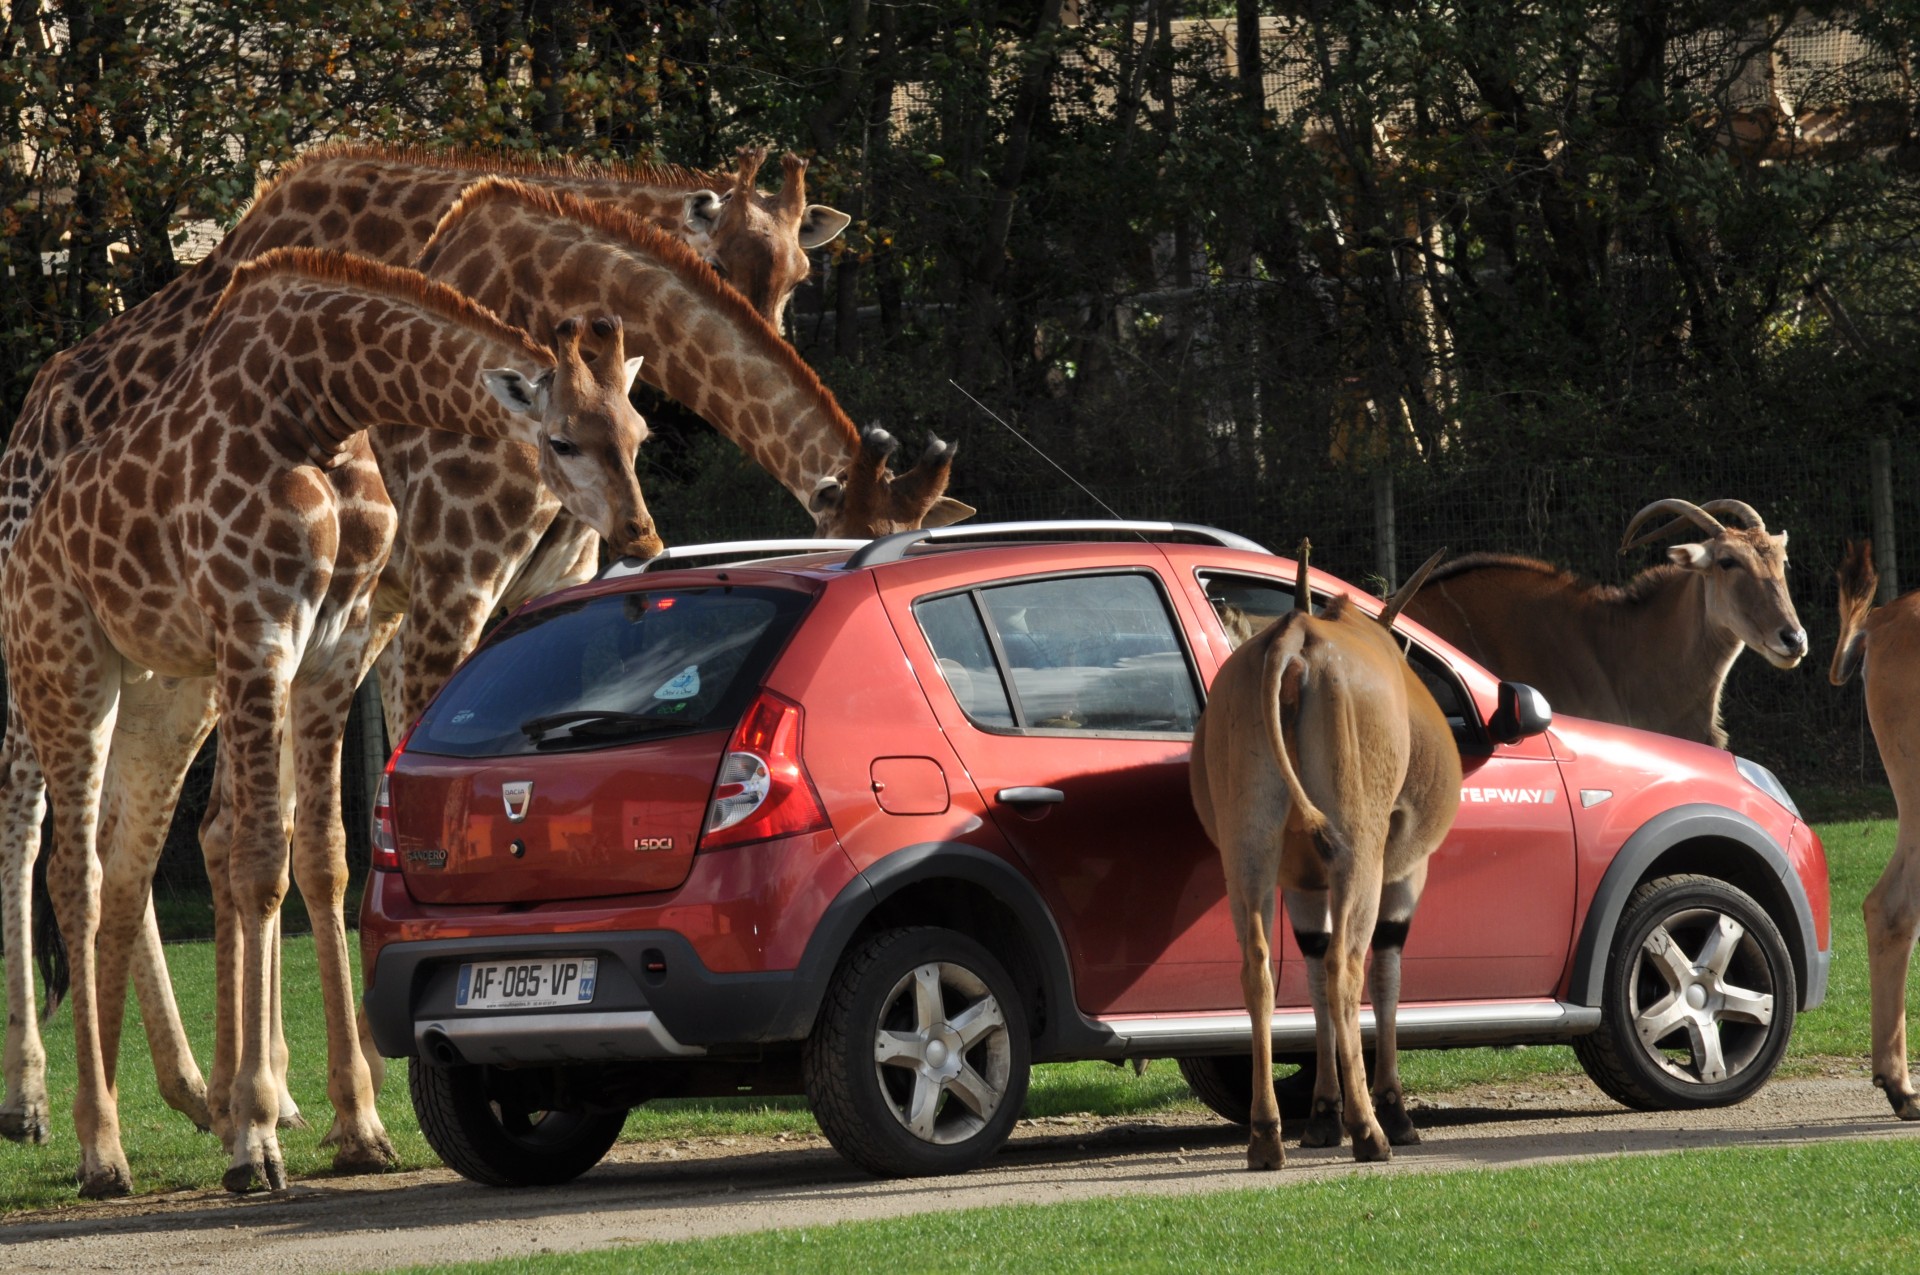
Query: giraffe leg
{"x": 161, "y": 725}
{"x": 24, "y": 1115}
{"x": 254, "y": 695}
{"x": 68, "y": 699}
{"x": 1397, "y": 902}
{"x": 320, "y": 861}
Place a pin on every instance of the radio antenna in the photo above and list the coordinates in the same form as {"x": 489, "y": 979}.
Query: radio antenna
{"x": 1036, "y": 450}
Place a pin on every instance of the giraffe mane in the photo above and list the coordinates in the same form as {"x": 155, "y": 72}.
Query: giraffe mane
{"x": 667, "y": 249}
{"x": 366, "y": 275}
{"x": 510, "y": 163}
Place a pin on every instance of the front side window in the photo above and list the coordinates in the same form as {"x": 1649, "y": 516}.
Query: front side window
{"x": 1081, "y": 653}
{"x": 615, "y": 669}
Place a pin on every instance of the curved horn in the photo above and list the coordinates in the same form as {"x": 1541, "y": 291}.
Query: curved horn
{"x": 1404, "y": 594}
{"x": 1739, "y": 509}
{"x": 793, "y": 185}
{"x": 1687, "y": 511}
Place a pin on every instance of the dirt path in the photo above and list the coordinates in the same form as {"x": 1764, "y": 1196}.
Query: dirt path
{"x": 666, "y": 1191}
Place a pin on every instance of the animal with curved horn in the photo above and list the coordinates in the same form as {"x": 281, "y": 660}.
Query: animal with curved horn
{"x": 1653, "y": 652}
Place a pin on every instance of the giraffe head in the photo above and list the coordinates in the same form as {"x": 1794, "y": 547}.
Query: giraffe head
{"x": 586, "y": 432}
{"x": 759, "y": 243}
{"x": 871, "y": 500}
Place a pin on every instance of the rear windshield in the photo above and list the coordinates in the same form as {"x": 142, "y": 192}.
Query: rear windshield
{"x": 615, "y": 669}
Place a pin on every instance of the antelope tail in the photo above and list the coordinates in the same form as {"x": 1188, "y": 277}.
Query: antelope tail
{"x": 1284, "y": 647}
{"x": 1858, "y": 582}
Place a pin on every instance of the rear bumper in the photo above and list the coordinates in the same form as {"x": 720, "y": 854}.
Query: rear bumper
{"x": 654, "y": 999}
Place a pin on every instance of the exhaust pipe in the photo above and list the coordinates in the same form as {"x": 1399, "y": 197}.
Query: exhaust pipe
{"x": 438, "y": 1048}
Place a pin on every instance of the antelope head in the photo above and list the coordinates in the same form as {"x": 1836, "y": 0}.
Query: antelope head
{"x": 1743, "y": 567}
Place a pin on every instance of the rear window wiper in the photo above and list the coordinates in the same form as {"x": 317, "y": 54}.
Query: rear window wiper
{"x": 588, "y": 720}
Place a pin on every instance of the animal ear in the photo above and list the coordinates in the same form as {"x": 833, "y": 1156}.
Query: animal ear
{"x": 946, "y": 511}
{"x": 1780, "y": 539}
{"x": 828, "y": 494}
{"x": 1693, "y": 556}
{"x": 633, "y": 370}
{"x": 518, "y": 392}
{"x": 703, "y": 211}
{"x": 820, "y": 224}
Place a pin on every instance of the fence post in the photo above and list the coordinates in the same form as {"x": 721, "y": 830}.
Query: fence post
{"x": 1385, "y": 550}
{"x": 1886, "y": 549}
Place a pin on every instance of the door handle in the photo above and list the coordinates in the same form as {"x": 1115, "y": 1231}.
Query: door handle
{"x": 1031, "y": 796}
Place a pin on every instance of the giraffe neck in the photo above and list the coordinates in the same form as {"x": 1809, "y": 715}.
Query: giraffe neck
{"x": 393, "y": 364}
{"x": 704, "y": 347}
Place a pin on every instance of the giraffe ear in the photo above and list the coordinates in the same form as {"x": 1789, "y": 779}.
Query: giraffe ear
{"x": 633, "y": 370}
{"x": 828, "y": 494}
{"x": 518, "y": 392}
{"x": 703, "y": 211}
{"x": 946, "y": 511}
{"x": 821, "y": 224}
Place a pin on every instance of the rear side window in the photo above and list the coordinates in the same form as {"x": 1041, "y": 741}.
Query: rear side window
{"x": 1078, "y": 653}
{"x": 615, "y": 669}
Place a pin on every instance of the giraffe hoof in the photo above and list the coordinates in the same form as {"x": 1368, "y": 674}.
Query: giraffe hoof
{"x": 1323, "y": 1126}
{"x": 1265, "y": 1151}
{"x": 290, "y": 1117}
{"x": 24, "y": 1126}
{"x": 109, "y": 1182}
{"x": 244, "y": 1179}
{"x": 374, "y": 1157}
{"x": 1906, "y": 1105}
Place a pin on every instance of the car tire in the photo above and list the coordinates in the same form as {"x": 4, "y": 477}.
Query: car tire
{"x": 918, "y": 1062}
{"x": 475, "y": 1124}
{"x": 1225, "y": 1083}
{"x": 1697, "y": 1002}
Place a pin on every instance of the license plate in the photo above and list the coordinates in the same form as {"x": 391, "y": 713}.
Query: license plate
{"x": 541, "y": 983}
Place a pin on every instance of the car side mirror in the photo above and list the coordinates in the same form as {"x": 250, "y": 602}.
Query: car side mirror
{"x": 1523, "y": 711}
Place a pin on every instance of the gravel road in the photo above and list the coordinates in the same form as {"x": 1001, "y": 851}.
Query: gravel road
{"x": 715, "y": 1186}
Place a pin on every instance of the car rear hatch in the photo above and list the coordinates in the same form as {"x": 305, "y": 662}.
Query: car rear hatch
{"x": 574, "y": 755}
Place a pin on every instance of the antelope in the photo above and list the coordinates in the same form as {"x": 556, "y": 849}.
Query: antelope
{"x": 1323, "y": 766}
{"x": 1886, "y": 642}
{"x": 1652, "y": 653}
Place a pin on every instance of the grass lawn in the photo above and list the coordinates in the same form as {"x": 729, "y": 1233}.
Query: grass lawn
{"x": 1831, "y": 1208}
{"x": 165, "y": 1152}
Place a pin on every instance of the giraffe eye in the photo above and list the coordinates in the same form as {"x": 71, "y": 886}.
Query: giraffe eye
{"x": 561, "y": 447}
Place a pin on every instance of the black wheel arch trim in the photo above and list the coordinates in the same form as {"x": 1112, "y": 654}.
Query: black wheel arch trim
{"x": 1656, "y": 837}
{"x": 1066, "y": 1033}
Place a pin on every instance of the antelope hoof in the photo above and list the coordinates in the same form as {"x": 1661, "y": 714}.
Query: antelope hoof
{"x": 1369, "y": 1144}
{"x": 108, "y": 1182}
{"x": 1323, "y": 1126}
{"x": 29, "y": 1125}
{"x": 1391, "y": 1110}
{"x": 244, "y": 1179}
{"x": 1905, "y": 1103}
{"x": 1264, "y": 1151}
{"x": 191, "y": 1102}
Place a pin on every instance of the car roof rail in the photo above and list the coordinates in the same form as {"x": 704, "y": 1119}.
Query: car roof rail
{"x": 894, "y": 547}
{"x": 735, "y": 551}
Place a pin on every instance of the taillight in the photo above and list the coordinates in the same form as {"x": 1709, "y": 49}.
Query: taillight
{"x": 762, "y": 790}
{"x": 386, "y": 848}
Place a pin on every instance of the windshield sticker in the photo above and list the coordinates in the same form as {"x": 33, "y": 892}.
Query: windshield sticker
{"x": 685, "y": 685}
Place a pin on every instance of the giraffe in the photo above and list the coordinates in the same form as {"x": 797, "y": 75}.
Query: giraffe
{"x": 194, "y": 561}
{"x": 382, "y": 203}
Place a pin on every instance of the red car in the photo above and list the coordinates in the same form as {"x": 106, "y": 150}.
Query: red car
{"x": 886, "y": 824}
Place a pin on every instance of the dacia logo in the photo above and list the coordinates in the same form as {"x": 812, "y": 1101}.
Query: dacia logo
{"x": 516, "y": 795}
{"x": 652, "y": 843}
{"x": 428, "y": 858}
